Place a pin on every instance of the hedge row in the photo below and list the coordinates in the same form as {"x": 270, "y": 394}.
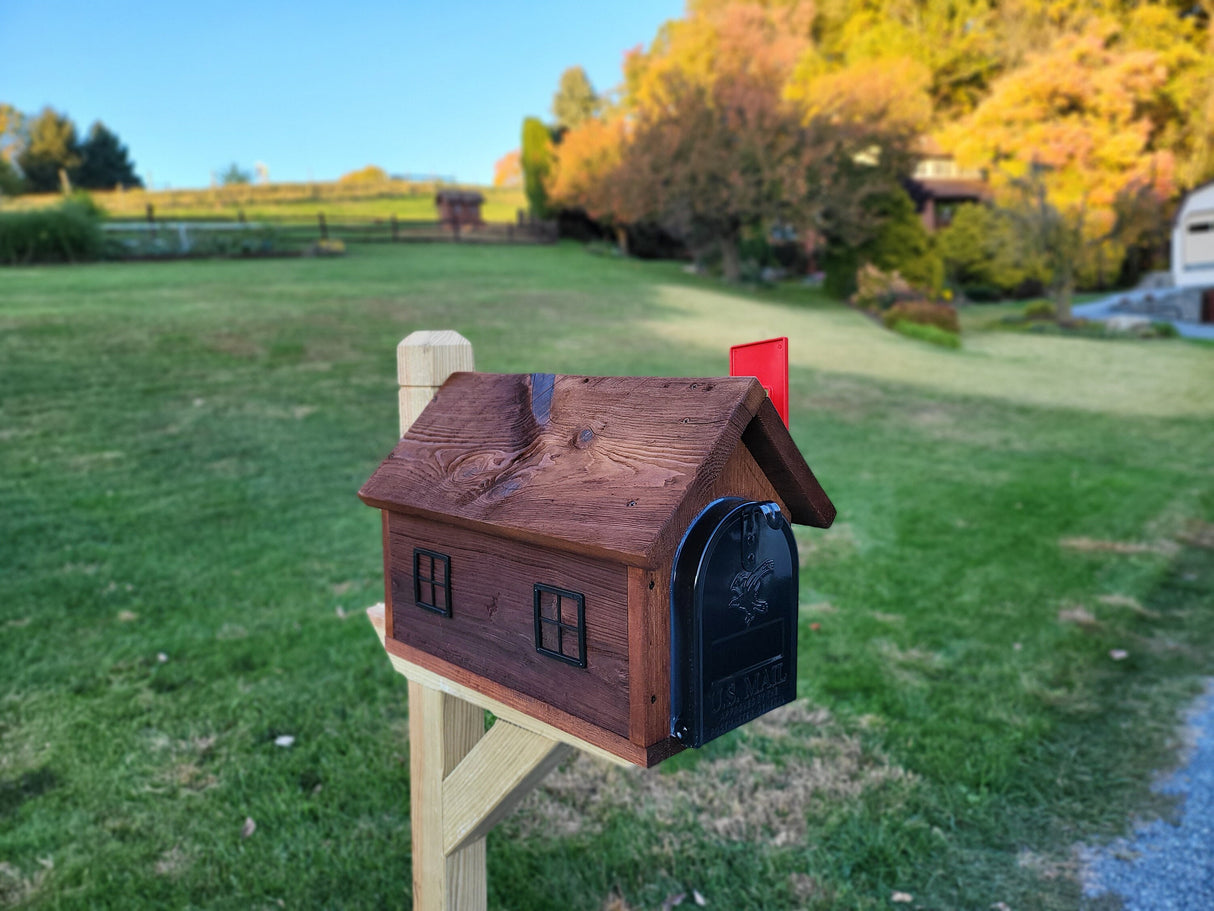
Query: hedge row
{"x": 67, "y": 233}
{"x": 923, "y": 313}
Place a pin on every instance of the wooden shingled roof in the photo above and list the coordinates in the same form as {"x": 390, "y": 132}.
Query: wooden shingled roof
{"x": 608, "y": 466}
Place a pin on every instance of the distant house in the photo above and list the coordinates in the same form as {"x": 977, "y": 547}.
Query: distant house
{"x": 459, "y": 208}
{"x": 939, "y": 185}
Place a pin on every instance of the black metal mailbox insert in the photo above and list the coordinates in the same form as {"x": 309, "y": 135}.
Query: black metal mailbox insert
{"x": 733, "y": 611}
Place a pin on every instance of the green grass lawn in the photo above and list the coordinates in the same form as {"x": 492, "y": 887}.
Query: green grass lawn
{"x": 183, "y": 566}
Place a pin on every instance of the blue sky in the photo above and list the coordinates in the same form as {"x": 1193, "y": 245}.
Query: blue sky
{"x": 311, "y": 89}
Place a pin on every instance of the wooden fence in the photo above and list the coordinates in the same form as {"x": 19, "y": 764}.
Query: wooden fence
{"x": 293, "y": 229}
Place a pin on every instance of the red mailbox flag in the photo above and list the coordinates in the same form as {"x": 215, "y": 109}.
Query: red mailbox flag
{"x": 768, "y": 362}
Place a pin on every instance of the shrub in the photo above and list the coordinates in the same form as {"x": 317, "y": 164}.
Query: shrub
{"x": 777, "y": 253}
{"x": 791, "y": 256}
{"x": 899, "y": 244}
{"x": 1040, "y": 310}
{"x": 840, "y": 265}
{"x": 84, "y": 202}
{"x": 903, "y": 245}
{"x": 982, "y": 294}
{"x": 923, "y": 313}
{"x": 1165, "y": 330}
{"x": 67, "y": 233}
{"x": 932, "y": 334}
{"x": 875, "y": 288}
{"x": 369, "y": 174}
{"x": 326, "y": 247}
{"x": 983, "y": 248}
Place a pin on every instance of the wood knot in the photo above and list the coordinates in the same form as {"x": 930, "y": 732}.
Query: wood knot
{"x": 584, "y": 438}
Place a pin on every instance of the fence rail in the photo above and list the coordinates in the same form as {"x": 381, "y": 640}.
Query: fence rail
{"x": 307, "y": 228}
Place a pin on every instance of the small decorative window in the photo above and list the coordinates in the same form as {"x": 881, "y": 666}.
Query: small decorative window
{"x": 560, "y": 624}
{"x": 432, "y": 581}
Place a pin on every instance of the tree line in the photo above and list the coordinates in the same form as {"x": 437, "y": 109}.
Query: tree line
{"x": 1087, "y": 117}
{"x": 43, "y": 153}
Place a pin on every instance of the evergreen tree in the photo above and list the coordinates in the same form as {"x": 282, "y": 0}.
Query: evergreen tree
{"x": 11, "y": 183}
{"x": 537, "y": 163}
{"x": 105, "y": 162}
{"x": 575, "y": 101}
{"x": 235, "y": 175}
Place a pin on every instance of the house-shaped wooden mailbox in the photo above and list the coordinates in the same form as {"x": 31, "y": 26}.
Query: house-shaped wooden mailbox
{"x": 531, "y": 528}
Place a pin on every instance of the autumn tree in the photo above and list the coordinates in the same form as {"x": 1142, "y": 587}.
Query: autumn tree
{"x": 957, "y": 43}
{"x": 105, "y": 162}
{"x": 1057, "y": 238}
{"x": 51, "y": 148}
{"x": 710, "y": 163}
{"x": 575, "y": 101}
{"x": 1100, "y": 100}
{"x": 709, "y": 149}
{"x": 368, "y": 174}
{"x": 711, "y": 144}
{"x": 586, "y": 171}
{"x": 1182, "y": 110}
{"x": 891, "y": 92}
{"x": 720, "y": 41}
{"x": 1066, "y": 134}
{"x": 508, "y": 170}
{"x": 1079, "y": 114}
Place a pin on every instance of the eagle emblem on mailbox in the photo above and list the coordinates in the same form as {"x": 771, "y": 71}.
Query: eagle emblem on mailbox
{"x": 745, "y": 588}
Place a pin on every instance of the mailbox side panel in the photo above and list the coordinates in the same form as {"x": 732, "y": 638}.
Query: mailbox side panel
{"x": 742, "y": 477}
{"x": 387, "y": 575}
{"x": 649, "y": 650}
{"x": 491, "y": 630}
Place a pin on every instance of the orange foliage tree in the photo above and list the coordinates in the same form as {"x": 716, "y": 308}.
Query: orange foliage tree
{"x": 1067, "y": 137}
{"x": 585, "y": 171}
{"x": 706, "y": 142}
{"x": 1105, "y": 104}
{"x": 508, "y": 170}
{"x": 1080, "y": 112}
{"x": 710, "y": 163}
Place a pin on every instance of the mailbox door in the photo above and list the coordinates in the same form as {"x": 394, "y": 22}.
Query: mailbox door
{"x": 733, "y": 619}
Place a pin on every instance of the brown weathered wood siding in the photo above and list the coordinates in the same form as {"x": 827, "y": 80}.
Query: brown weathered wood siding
{"x": 491, "y": 629}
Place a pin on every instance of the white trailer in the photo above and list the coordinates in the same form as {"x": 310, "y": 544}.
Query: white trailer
{"x": 1193, "y": 240}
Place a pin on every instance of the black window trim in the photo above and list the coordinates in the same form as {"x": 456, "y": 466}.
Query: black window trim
{"x": 433, "y": 581}
{"x": 562, "y": 627}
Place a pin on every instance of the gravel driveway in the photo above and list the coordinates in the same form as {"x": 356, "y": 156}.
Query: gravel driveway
{"x": 1165, "y": 866}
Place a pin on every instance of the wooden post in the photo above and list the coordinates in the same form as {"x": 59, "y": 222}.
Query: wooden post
{"x": 324, "y": 228}
{"x": 462, "y": 780}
